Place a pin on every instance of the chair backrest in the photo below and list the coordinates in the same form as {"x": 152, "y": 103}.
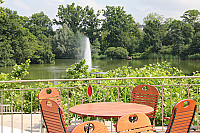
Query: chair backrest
{"x": 142, "y": 124}
{"x": 148, "y": 96}
{"x": 182, "y": 116}
{"x": 50, "y": 93}
{"x": 53, "y": 116}
{"x": 98, "y": 127}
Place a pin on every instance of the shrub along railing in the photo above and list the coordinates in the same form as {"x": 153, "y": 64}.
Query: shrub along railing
{"x": 23, "y": 95}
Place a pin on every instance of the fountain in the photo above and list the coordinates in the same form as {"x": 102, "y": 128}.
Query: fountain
{"x": 87, "y": 53}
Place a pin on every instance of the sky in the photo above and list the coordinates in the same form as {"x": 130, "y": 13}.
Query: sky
{"x": 137, "y": 8}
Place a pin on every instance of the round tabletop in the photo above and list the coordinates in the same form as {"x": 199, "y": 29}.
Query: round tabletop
{"x": 109, "y": 109}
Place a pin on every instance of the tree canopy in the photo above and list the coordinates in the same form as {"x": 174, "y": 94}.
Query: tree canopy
{"x": 110, "y": 29}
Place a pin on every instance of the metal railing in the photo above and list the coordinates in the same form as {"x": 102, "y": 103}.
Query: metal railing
{"x": 22, "y": 95}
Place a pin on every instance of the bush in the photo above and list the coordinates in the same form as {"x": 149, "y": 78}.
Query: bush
{"x": 194, "y": 57}
{"x": 119, "y": 52}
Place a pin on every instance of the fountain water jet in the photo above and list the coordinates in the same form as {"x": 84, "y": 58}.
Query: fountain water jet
{"x": 87, "y": 53}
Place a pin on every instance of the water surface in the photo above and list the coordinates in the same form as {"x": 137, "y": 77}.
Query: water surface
{"x": 55, "y": 71}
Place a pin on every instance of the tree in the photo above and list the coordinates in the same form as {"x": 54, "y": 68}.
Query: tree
{"x": 91, "y": 24}
{"x": 64, "y": 43}
{"x": 116, "y": 23}
{"x": 176, "y": 36}
{"x": 20, "y": 42}
{"x": 6, "y": 54}
{"x": 153, "y": 36}
{"x": 195, "y": 47}
{"x": 153, "y": 17}
{"x": 71, "y": 15}
{"x": 79, "y": 19}
{"x": 191, "y": 16}
{"x": 40, "y": 25}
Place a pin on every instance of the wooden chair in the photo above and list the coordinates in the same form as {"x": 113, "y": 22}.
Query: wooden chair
{"x": 53, "y": 95}
{"x": 147, "y": 96}
{"x": 95, "y": 126}
{"x": 182, "y": 116}
{"x": 53, "y": 117}
{"x": 142, "y": 124}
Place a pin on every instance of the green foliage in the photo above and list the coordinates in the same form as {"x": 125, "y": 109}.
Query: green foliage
{"x": 119, "y": 52}
{"x": 80, "y": 71}
{"x": 79, "y": 19}
{"x": 67, "y": 44}
{"x": 41, "y": 26}
{"x": 23, "y": 38}
{"x": 153, "y": 36}
{"x": 63, "y": 43}
{"x": 118, "y": 26}
{"x": 77, "y": 71}
{"x": 19, "y": 71}
{"x": 191, "y": 16}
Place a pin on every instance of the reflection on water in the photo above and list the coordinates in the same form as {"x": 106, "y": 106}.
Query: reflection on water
{"x": 55, "y": 71}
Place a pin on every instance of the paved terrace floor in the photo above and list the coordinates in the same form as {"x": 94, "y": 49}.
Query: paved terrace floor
{"x": 36, "y": 124}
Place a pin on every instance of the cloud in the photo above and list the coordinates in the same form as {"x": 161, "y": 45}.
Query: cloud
{"x": 61, "y": 1}
{"x": 21, "y": 5}
{"x": 91, "y": 3}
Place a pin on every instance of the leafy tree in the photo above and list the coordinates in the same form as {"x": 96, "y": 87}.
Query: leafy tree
{"x": 63, "y": 43}
{"x": 71, "y": 15}
{"x": 130, "y": 42}
{"x": 91, "y": 24}
{"x": 79, "y": 19}
{"x": 40, "y": 25}
{"x": 176, "y": 36}
{"x": 20, "y": 43}
{"x": 197, "y": 27}
{"x": 153, "y": 17}
{"x": 116, "y": 23}
{"x": 6, "y": 54}
{"x": 95, "y": 48}
{"x": 153, "y": 36}
{"x": 191, "y": 16}
{"x": 195, "y": 47}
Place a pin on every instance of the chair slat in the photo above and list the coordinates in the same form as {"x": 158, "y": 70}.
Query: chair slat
{"x": 51, "y": 115}
{"x": 182, "y": 117}
{"x": 147, "y": 97}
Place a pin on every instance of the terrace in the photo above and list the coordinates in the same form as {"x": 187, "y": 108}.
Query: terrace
{"x": 20, "y": 108}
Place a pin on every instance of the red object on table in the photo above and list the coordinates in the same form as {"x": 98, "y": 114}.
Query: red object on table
{"x": 108, "y": 110}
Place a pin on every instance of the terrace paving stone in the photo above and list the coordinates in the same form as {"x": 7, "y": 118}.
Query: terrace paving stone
{"x": 36, "y": 121}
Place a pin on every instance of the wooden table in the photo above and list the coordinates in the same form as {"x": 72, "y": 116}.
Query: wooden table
{"x": 108, "y": 110}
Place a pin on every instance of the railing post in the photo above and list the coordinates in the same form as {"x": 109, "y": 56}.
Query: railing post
{"x": 1, "y": 111}
{"x": 12, "y": 111}
{"x": 22, "y": 110}
{"x": 162, "y": 111}
{"x": 125, "y": 90}
{"x": 197, "y": 107}
{"x": 68, "y": 105}
{"x": 31, "y": 107}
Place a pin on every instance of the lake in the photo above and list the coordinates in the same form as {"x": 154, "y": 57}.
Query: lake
{"x": 55, "y": 71}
